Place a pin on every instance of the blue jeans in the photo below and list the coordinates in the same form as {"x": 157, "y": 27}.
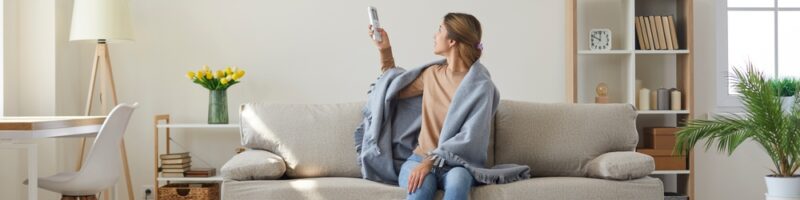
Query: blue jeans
{"x": 456, "y": 182}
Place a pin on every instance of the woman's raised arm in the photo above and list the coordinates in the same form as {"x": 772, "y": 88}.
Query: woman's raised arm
{"x": 384, "y": 47}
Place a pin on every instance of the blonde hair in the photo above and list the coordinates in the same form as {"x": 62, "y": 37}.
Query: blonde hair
{"x": 465, "y": 29}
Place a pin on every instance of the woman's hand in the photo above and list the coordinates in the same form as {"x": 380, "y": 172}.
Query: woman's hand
{"x": 385, "y": 49}
{"x": 418, "y": 175}
{"x": 384, "y": 43}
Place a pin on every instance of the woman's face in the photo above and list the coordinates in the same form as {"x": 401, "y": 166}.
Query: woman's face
{"x": 441, "y": 43}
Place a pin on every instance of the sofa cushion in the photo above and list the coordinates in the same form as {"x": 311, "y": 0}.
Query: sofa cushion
{"x": 574, "y": 188}
{"x": 312, "y": 188}
{"x": 559, "y": 139}
{"x": 623, "y": 165}
{"x": 253, "y": 165}
{"x": 315, "y": 140}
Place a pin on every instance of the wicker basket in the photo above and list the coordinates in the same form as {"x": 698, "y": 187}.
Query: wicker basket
{"x": 204, "y": 191}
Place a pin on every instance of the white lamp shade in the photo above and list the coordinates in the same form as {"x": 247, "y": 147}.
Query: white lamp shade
{"x": 101, "y": 19}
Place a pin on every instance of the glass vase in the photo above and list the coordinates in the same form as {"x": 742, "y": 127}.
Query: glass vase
{"x": 217, "y": 107}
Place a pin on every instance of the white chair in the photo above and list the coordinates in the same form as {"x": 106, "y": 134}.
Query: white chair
{"x": 101, "y": 169}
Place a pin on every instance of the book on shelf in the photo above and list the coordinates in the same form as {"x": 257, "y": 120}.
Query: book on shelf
{"x": 172, "y": 174}
{"x": 176, "y": 161}
{"x": 660, "y": 31}
{"x": 174, "y": 156}
{"x": 667, "y": 32}
{"x": 639, "y": 34}
{"x": 648, "y": 35}
{"x": 656, "y": 33}
{"x": 201, "y": 172}
{"x": 673, "y": 32}
{"x": 176, "y": 166}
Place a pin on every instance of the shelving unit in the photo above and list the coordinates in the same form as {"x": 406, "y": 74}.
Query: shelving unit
{"x": 163, "y": 122}
{"x": 621, "y": 66}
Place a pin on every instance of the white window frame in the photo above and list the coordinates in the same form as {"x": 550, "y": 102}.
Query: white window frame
{"x": 725, "y": 101}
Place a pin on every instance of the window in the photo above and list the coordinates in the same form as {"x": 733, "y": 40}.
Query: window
{"x": 763, "y": 32}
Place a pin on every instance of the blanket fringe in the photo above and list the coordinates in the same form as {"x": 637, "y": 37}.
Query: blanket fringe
{"x": 482, "y": 176}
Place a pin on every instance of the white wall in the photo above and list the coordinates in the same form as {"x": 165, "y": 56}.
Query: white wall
{"x": 12, "y": 187}
{"x": 10, "y": 56}
{"x": 323, "y": 56}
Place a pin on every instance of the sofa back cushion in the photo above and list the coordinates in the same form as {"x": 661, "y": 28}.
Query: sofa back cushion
{"x": 560, "y": 139}
{"x": 315, "y": 140}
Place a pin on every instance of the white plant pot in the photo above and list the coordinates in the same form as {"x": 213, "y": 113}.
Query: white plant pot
{"x": 783, "y": 186}
{"x": 787, "y": 104}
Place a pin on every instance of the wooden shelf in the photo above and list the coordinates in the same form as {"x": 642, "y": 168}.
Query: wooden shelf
{"x": 161, "y": 123}
{"x": 662, "y": 112}
{"x": 216, "y": 178}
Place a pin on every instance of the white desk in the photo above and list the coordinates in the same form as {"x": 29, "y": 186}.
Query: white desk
{"x": 13, "y": 129}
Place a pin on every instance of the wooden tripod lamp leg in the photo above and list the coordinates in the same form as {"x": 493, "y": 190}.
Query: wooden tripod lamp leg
{"x": 123, "y": 152}
{"x": 89, "y": 99}
{"x": 102, "y": 55}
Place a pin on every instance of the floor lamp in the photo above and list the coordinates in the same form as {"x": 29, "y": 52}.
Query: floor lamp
{"x": 102, "y": 21}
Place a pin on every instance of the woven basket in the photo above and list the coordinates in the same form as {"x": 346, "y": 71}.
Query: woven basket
{"x": 204, "y": 191}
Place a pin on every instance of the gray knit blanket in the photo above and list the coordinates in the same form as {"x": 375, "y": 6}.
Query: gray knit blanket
{"x": 390, "y": 127}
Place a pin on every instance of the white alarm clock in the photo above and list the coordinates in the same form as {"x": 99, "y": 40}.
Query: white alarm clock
{"x": 600, "y": 39}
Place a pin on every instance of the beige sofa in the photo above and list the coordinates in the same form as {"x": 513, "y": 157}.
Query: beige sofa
{"x": 304, "y": 151}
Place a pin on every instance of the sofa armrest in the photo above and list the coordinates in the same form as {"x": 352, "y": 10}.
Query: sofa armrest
{"x": 254, "y": 164}
{"x": 622, "y": 165}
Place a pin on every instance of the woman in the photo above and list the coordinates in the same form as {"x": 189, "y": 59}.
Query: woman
{"x": 459, "y": 41}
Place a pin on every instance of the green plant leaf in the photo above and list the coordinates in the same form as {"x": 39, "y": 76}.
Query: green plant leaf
{"x": 763, "y": 122}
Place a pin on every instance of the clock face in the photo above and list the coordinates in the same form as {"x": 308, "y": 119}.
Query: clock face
{"x": 600, "y": 39}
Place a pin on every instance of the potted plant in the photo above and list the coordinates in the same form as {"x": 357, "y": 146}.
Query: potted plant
{"x": 217, "y": 84}
{"x": 786, "y": 88}
{"x": 764, "y": 122}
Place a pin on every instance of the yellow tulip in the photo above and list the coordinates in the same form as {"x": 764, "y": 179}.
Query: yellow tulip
{"x": 220, "y": 74}
{"x": 209, "y": 76}
{"x": 240, "y": 73}
{"x": 200, "y": 74}
{"x": 205, "y": 68}
{"x": 190, "y": 75}
{"x": 224, "y": 81}
{"x": 228, "y": 71}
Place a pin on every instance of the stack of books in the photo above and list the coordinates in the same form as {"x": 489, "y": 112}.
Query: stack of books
{"x": 175, "y": 164}
{"x": 656, "y": 33}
